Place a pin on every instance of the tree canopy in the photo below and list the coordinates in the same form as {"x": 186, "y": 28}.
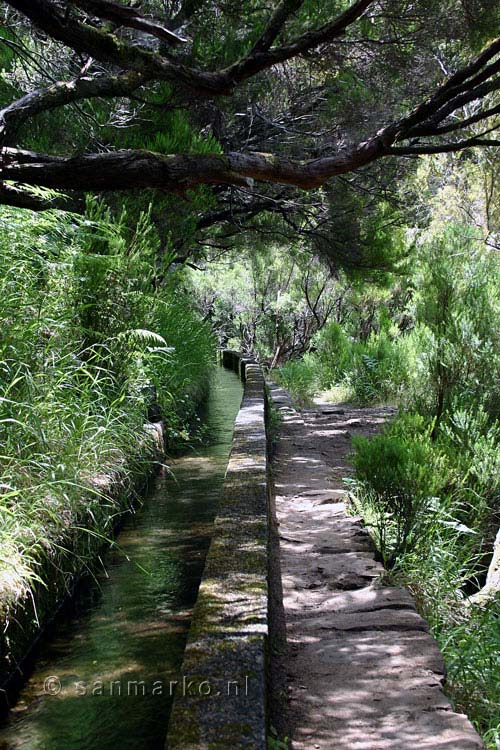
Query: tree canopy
{"x": 290, "y": 95}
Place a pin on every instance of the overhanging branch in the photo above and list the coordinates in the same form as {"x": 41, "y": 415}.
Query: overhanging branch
{"x": 106, "y": 47}
{"x": 442, "y": 148}
{"x": 126, "y": 16}
{"x": 449, "y": 96}
{"x": 126, "y": 170}
{"x": 177, "y": 173}
{"x": 257, "y": 61}
{"x": 61, "y": 93}
{"x": 277, "y": 20}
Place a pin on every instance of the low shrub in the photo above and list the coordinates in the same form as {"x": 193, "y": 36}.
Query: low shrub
{"x": 377, "y": 370}
{"x": 443, "y": 492}
{"x": 398, "y": 481}
{"x": 300, "y": 377}
{"x": 332, "y": 354}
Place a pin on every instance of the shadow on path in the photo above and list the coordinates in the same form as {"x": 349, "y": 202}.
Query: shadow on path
{"x": 362, "y": 671}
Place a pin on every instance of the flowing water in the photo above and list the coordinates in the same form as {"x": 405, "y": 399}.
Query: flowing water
{"x": 106, "y": 676}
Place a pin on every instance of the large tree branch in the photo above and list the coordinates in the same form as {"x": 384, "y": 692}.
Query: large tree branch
{"x": 442, "y": 148}
{"x": 126, "y": 170}
{"x": 61, "y": 93}
{"x": 431, "y": 124}
{"x": 473, "y": 67}
{"x": 126, "y": 16}
{"x": 450, "y": 95}
{"x": 106, "y": 47}
{"x": 278, "y": 18}
{"x": 483, "y": 114}
{"x": 256, "y": 61}
{"x": 176, "y": 173}
{"x": 137, "y": 169}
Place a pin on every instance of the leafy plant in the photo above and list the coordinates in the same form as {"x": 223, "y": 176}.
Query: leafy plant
{"x": 300, "y": 378}
{"x": 86, "y": 337}
{"x": 398, "y": 485}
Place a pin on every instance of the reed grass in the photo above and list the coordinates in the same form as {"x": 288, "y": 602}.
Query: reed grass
{"x": 86, "y": 335}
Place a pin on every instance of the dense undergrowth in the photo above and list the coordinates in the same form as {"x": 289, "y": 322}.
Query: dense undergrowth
{"x": 364, "y": 372}
{"x": 88, "y": 338}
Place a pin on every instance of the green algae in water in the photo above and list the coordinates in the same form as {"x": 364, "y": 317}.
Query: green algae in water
{"x": 106, "y": 677}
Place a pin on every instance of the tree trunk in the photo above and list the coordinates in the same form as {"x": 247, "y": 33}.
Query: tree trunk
{"x": 492, "y": 585}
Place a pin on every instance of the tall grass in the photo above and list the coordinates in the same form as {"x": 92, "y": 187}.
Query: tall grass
{"x": 301, "y": 378}
{"x": 86, "y": 336}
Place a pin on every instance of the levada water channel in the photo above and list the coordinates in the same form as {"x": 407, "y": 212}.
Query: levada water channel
{"x": 105, "y": 678}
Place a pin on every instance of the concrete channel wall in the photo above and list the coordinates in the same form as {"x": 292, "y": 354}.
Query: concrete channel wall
{"x": 220, "y": 699}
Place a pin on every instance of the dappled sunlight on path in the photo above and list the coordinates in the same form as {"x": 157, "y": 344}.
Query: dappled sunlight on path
{"x": 363, "y": 672}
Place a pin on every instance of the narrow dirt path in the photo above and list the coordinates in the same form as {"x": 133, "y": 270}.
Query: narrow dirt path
{"x": 362, "y": 671}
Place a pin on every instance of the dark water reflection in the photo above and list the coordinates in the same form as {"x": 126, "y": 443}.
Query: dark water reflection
{"x": 114, "y": 657}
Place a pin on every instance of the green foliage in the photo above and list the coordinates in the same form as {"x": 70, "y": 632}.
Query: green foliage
{"x": 372, "y": 371}
{"x": 429, "y": 484}
{"x": 450, "y": 355}
{"x": 261, "y": 301}
{"x": 275, "y": 743}
{"x": 299, "y": 376}
{"x": 445, "y": 491}
{"x": 439, "y": 575}
{"x": 459, "y": 469}
{"x": 378, "y": 369}
{"x": 471, "y": 649}
{"x": 94, "y": 321}
{"x": 399, "y": 479}
{"x": 457, "y": 307}
{"x": 171, "y": 132}
{"x": 470, "y": 441}
{"x": 333, "y": 352}
{"x": 365, "y": 241}
{"x": 85, "y": 337}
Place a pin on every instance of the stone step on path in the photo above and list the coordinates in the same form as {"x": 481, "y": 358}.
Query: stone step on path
{"x": 363, "y": 672}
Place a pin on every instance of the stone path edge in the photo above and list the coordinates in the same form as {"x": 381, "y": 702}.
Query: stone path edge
{"x": 221, "y": 696}
{"x": 362, "y": 670}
